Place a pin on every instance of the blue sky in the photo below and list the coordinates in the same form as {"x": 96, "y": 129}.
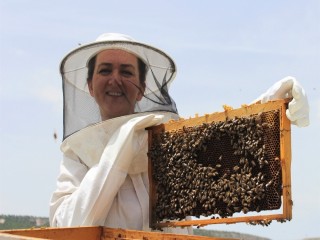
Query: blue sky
{"x": 227, "y": 52}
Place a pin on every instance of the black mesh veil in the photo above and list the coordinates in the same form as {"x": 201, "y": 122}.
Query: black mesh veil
{"x": 81, "y": 110}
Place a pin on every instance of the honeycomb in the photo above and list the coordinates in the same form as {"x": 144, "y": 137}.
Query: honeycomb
{"x": 216, "y": 168}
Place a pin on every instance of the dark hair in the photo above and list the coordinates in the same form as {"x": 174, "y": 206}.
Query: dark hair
{"x": 142, "y": 67}
{"x": 91, "y": 65}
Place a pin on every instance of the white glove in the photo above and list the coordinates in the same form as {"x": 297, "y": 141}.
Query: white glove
{"x": 298, "y": 108}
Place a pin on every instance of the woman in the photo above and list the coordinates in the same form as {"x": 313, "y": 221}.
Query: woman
{"x": 113, "y": 89}
{"x": 103, "y": 179}
{"x": 116, "y": 80}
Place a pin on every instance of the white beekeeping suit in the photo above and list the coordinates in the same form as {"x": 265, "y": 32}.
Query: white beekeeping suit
{"x": 104, "y": 172}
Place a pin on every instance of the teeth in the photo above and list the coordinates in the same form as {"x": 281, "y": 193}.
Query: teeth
{"x": 114, "y": 93}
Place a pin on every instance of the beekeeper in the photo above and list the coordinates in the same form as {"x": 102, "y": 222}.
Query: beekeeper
{"x": 113, "y": 89}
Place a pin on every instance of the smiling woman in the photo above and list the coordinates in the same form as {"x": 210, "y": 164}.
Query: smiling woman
{"x": 119, "y": 87}
{"x": 115, "y": 83}
{"x": 154, "y": 70}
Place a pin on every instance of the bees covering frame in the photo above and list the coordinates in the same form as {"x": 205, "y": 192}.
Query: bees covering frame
{"x": 223, "y": 166}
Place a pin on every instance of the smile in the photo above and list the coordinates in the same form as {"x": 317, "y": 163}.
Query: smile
{"x": 116, "y": 94}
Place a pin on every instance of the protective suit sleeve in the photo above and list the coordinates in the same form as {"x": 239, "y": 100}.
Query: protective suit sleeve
{"x": 298, "y": 107}
{"x": 84, "y": 196}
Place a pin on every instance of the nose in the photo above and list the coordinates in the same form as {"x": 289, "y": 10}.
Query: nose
{"x": 115, "y": 78}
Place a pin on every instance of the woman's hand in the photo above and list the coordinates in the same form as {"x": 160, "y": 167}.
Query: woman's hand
{"x": 298, "y": 108}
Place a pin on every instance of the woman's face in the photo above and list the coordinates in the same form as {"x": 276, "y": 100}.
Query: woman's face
{"x": 115, "y": 83}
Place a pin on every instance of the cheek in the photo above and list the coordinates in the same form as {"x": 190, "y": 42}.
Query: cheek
{"x": 136, "y": 90}
{"x": 95, "y": 86}
{"x": 90, "y": 87}
{"x": 140, "y": 94}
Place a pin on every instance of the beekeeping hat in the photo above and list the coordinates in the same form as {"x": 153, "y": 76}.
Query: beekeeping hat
{"x": 80, "y": 108}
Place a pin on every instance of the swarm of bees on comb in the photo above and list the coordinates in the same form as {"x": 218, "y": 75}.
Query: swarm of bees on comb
{"x": 218, "y": 169}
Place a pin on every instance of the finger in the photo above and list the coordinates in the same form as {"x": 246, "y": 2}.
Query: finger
{"x": 297, "y": 91}
{"x": 294, "y": 106}
{"x": 302, "y": 122}
{"x": 301, "y": 114}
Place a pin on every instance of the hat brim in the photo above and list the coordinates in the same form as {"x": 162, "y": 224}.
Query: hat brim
{"x": 73, "y": 67}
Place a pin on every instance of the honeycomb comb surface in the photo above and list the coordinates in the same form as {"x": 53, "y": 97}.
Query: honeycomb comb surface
{"x": 217, "y": 168}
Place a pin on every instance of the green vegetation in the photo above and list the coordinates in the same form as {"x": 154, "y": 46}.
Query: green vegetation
{"x": 22, "y": 222}
{"x": 224, "y": 234}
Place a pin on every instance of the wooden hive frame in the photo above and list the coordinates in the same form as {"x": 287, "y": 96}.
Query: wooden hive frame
{"x": 284, "y": 158}
{"x": 95, "y": 233}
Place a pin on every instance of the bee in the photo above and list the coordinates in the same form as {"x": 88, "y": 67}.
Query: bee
{"x": 245, "y": 210}
{"x": 236, "y": 168}
{"x": 55, "y": 135}
{"x": 269, "y": 183}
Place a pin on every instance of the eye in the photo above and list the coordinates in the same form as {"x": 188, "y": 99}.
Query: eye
{"x": 104, "y": 71}
{"x": 127, "y": 73}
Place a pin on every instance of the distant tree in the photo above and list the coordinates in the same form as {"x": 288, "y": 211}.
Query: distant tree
{"x": 21, "y": 222}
